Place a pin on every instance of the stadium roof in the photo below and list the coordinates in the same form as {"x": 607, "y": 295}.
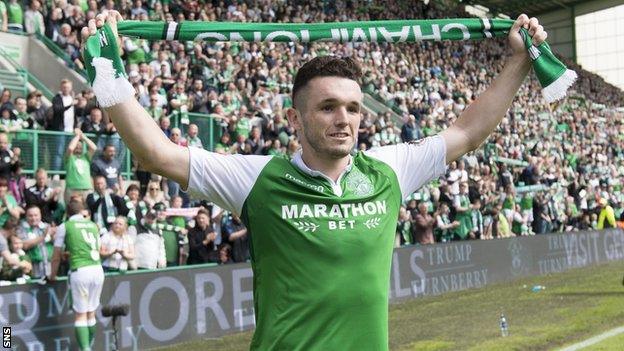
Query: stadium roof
{"x": 531, "y": 7}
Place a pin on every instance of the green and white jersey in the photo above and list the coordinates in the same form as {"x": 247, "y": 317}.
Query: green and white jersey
{"x": 320, "y": 250}
{"x": 81, "y": 237}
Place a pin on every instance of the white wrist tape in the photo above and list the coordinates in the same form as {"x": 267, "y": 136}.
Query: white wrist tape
{"x": 108, "y": 89}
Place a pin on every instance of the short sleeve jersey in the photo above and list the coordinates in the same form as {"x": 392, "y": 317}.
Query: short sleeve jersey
{"x": 81, "y": 237}
{"x": 15, "y": 13}
{"x": 320, "y": 250}
{"x": 78, "y": 170}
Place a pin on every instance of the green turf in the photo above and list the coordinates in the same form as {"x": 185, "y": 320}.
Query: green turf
{"x": 613, "y": 343}
{"x": 576, "y": 305}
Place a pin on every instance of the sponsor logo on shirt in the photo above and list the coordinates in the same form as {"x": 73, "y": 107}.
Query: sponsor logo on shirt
{"x": 342, "y": 216}
{"x": 318, "y": 188}
{"x": 369, "y": 208}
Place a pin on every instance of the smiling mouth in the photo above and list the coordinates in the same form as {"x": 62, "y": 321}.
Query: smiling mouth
{"x": 339, "y": 135}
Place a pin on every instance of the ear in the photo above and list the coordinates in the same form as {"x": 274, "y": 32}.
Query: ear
{"x": 294, "y": 118}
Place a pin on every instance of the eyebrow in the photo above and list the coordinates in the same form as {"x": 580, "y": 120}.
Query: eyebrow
{"x": 334, "y": 101}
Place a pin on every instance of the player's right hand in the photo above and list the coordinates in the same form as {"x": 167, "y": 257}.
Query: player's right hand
{"x": 107, "y": 16}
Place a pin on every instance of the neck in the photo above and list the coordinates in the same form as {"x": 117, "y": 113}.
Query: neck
{"x": 331, "y": 167}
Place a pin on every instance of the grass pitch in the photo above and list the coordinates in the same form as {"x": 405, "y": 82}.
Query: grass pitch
{"x": 612, "y": 343}
{"x": 576, "y": 305}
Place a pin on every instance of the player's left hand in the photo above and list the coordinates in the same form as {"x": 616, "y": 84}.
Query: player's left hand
{"x": 536, "y": 31}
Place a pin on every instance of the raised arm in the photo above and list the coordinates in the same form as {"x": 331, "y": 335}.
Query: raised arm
{"x": 73, "y": 143}
{"x": 482, "y": 116}
{"x": 91, "y": 147}
{"x": 138, "y": 130}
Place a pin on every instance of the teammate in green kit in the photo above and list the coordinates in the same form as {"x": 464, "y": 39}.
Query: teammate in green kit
{"x": 81, "y": 238}
{"x": 321, "y": 226}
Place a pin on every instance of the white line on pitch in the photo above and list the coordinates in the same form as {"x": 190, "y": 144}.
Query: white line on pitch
{"x": 594, "y": 340}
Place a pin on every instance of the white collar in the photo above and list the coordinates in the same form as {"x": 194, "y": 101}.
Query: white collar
{"x": 76, "y": 216}
{"x": 297, "y": 160}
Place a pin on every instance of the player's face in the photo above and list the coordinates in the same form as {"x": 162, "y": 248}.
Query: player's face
{"x": 328, "y": 122}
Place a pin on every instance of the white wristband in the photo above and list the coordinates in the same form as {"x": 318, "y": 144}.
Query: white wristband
{"x": 109, "y": 90}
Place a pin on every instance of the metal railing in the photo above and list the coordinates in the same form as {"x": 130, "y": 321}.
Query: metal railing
{"x": 27, "y": 77}
{"x": 46, "y": 149}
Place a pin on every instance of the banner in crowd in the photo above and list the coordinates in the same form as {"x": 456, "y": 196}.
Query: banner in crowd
{"x": 200, "y": 302}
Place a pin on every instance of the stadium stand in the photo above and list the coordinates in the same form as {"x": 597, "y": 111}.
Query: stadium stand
{"x": 547, "y": 168}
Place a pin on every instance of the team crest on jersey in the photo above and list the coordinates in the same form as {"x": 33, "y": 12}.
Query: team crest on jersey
{"x": 358, "y": 183}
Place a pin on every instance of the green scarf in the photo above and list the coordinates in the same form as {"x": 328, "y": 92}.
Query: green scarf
{"x": 132, "y": 212}
{"x": 554, "y": 77}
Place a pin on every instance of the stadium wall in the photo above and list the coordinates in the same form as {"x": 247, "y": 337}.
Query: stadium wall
{"x": 199, "y": 302}
{"x": 560, "y": 24}
{"x": 34, "y": 56}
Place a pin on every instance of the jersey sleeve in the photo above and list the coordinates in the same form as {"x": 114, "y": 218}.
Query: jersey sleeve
{"x": 59, "y": 237}
{"x": 416, "y": 163}
{"x": 225, "y": 180}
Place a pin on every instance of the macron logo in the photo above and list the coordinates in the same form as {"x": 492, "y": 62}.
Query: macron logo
{"x": 318, "y": 188}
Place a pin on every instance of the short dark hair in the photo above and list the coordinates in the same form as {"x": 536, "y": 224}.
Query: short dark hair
{"x": 11, "y": 224}
{"x": 31, "y": 206}
{"x": 326, "y": 66}
{"x": 75, "y": 206}
{"x": 202, "y": 211}
{"x": 132, "y": 187}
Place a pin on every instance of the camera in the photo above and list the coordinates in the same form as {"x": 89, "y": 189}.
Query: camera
{"x": 115, "y": 310}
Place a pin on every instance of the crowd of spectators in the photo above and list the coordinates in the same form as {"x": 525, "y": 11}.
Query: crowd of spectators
{"x": 547, "y": 168}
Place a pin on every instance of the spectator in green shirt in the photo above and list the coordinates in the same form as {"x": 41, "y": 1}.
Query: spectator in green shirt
{"x": 8, "y": 205}
{"x": 15, "y": 16}
{"x": 176, "y": 241}
{"x": 78, "y": 166}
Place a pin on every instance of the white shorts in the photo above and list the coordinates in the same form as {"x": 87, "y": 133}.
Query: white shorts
{"x": 86, "y": 287}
